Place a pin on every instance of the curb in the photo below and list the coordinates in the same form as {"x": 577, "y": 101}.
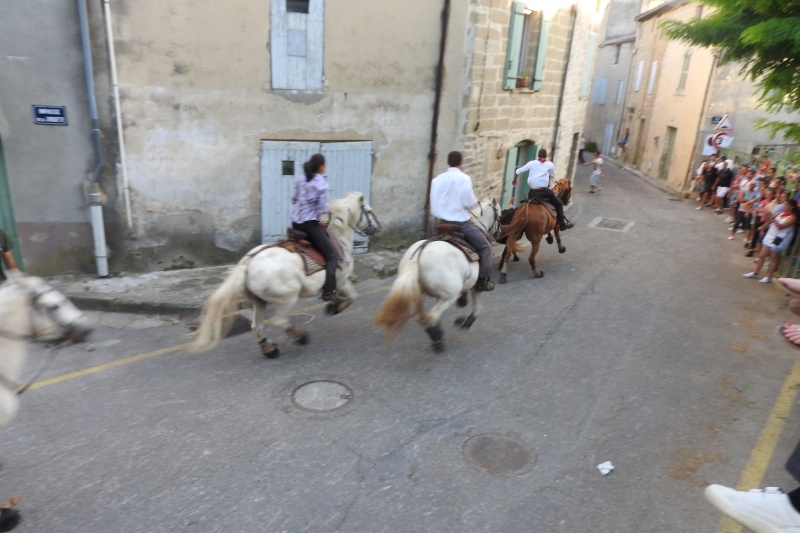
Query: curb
{"x": 144, "y": 308}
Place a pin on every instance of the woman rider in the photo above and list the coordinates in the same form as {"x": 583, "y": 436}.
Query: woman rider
{"x": 310, "y": 202}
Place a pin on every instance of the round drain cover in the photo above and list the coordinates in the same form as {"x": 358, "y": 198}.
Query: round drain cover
{"x": 499, "y": 455}
{"x": 321, "y": 396}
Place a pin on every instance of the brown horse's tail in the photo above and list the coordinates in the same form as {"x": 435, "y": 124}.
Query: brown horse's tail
{"x": 404, "y": 300}
{"x": 513, "y": 229}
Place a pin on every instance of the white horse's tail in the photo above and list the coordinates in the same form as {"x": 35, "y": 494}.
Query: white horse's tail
{"x": 404, "y": 299}
{"x": 219, "y": 309}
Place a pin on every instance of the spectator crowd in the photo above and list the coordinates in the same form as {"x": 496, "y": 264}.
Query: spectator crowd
{"x": 760, "y": 206}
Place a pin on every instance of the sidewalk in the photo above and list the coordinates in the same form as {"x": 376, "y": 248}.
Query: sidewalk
{"x": 182, "y": 292}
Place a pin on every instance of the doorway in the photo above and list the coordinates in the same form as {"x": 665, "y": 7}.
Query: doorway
{"x": 348, "y": 168}
{"x": 7, "y": 220}
{"x": 517, "y": 156}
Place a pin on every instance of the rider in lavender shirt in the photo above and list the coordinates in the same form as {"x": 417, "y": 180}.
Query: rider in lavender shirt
{"x": 310, "y": 202}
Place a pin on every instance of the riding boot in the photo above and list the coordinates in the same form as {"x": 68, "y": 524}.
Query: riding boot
{"x": 336, "y": 302}
{"x": 565, "y": 224}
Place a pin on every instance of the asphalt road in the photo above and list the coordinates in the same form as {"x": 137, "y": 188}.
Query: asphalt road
{"x": 643, "y": 347}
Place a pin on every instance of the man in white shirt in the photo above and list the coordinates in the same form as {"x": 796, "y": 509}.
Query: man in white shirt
{"x": 451, "y": 197}
{"x": 539, "y": 173}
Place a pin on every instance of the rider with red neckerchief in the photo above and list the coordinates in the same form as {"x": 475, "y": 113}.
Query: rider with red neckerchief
{"x": 539, "y": 173}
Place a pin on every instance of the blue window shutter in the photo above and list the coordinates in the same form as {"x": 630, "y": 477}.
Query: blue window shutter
{"x": 515, "y": 28}
{"x": 541, "y": 53}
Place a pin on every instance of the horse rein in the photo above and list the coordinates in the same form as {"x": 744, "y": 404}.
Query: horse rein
{"x": 491, "y": 230}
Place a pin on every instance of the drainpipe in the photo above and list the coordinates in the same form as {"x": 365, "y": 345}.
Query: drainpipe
{"x": 437, "y": 101}
{"x": 118, "y": 112}
{"x": 573, "y": 17}
{"x": 95, "y": 197}
{"x": 689, "y": 171}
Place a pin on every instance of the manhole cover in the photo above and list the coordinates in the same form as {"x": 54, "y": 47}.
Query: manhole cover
{"x": 321, "y": 396}
{"x": 499, "y": 455}
{"x": 613, "y": 224}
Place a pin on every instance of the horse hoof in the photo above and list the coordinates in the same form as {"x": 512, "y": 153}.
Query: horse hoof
{"x": 272, "y": 354}
{"x": 462, "y": 300}
{"x": 465, "y": 322}
{"x": 562, "y": 249}
{"x": 502, "y": 279}
{"x": 438, "y": 347}
{"x": 9, "y": 519}
{"x": 539, "y": 274}
{"x": 516, "y": 258}
{"x": 549, "y": 239}
{"x": 302, "y": 340}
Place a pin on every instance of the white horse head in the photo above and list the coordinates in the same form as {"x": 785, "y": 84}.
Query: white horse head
{"x": 30, "y": 309}
{"x": 486, "y": 215}
{"x": 353, "y": 212}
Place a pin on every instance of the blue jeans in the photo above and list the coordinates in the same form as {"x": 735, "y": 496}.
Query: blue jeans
{"x": 474, "y": 236}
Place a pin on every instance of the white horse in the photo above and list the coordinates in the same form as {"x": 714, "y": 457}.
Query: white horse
{"x": 440, "y": 270}
{"x": 31, "y": 309}
{"x": 274, "y": 275}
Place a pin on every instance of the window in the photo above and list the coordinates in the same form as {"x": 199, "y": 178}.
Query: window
{"x": 527, "y": 45}
{"x": 599, "y": 92}
{"x": 652, "y": 84}
{"x": 639, "y": 70}
{"x": 296, "y": 44}
{"x": 620, "y": 92}
{"x": 687, "y": 58}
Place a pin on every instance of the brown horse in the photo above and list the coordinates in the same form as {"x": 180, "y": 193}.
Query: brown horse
{"x": 535, "y": 221}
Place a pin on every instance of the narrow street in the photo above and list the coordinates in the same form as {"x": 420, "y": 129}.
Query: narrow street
{"x": 642, "y": 345}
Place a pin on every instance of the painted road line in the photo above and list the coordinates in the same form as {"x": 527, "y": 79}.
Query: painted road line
{"x": 156, "y": 353}
{"x": 761, "y": 455}
{"x": 168, "y": 350}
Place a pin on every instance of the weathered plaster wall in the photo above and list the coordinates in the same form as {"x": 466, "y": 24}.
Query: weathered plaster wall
{"x": 197, "y": 102}
{"x": 41, "y": 64}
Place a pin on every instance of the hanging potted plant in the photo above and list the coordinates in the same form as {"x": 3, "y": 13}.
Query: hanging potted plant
{"x": 523, "y": 81}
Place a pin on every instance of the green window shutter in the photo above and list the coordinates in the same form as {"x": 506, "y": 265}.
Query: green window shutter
{"x": 541, "y": 53}
{"x": 515, "y": 30}
{"x": 587, "y": 68}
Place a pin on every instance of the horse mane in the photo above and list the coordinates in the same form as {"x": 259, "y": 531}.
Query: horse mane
{"x": 344, "y": 212}
{"x": 563, "y": 189}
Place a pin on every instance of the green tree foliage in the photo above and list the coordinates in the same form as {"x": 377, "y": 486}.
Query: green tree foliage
{"x": 762, "y": 35}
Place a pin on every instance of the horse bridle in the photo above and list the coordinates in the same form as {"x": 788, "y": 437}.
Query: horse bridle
{"x": 50, "y": 310}
{"x": 371, "y": 228}
{"x": 494, "y": 227}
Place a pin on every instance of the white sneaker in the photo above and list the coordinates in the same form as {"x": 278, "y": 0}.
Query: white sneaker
{"x": 699, "y": 208}
{"x": 729, "y": 220}
{"x": 765, "y": 279}
{"x": 751, "y": 275}
{"x": 763, "y": 511}
{"x": 739, "y": 231}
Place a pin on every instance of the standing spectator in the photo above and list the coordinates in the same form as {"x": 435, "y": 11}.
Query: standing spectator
{"x": 733, "y": 195}
{"x": 744, "y": 204}
{"x": 776, "y": 240}
{"x": 791, "y": 183}
{"x": 581, "y": 148}
{"x": 7, "y": 256}
{"x": 761, "y": 213}
{"x": 722, "y": 185}
{"x": 709, "y": 177}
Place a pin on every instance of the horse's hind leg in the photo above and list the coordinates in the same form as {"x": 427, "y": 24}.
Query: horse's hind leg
{"x": 535, "y": 242}
{"x": 467, "y": 321}
{"x": 561, "y": 247}
{"x": 281, "y": 320}
{"x": 431, "y": 321}
{"x": 503, "y": 267}
{"x": 268, "y": 348}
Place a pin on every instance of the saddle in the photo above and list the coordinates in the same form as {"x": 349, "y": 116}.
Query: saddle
{"x": 538, "y": 198}
{"x": 448, "y": 232}
{"x": 297, "y": 242}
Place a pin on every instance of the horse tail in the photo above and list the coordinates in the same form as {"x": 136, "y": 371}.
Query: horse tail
{"x": 404, "y": 300}
{"x": 219, "y": 309}
{"x": 512, "y": 230}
